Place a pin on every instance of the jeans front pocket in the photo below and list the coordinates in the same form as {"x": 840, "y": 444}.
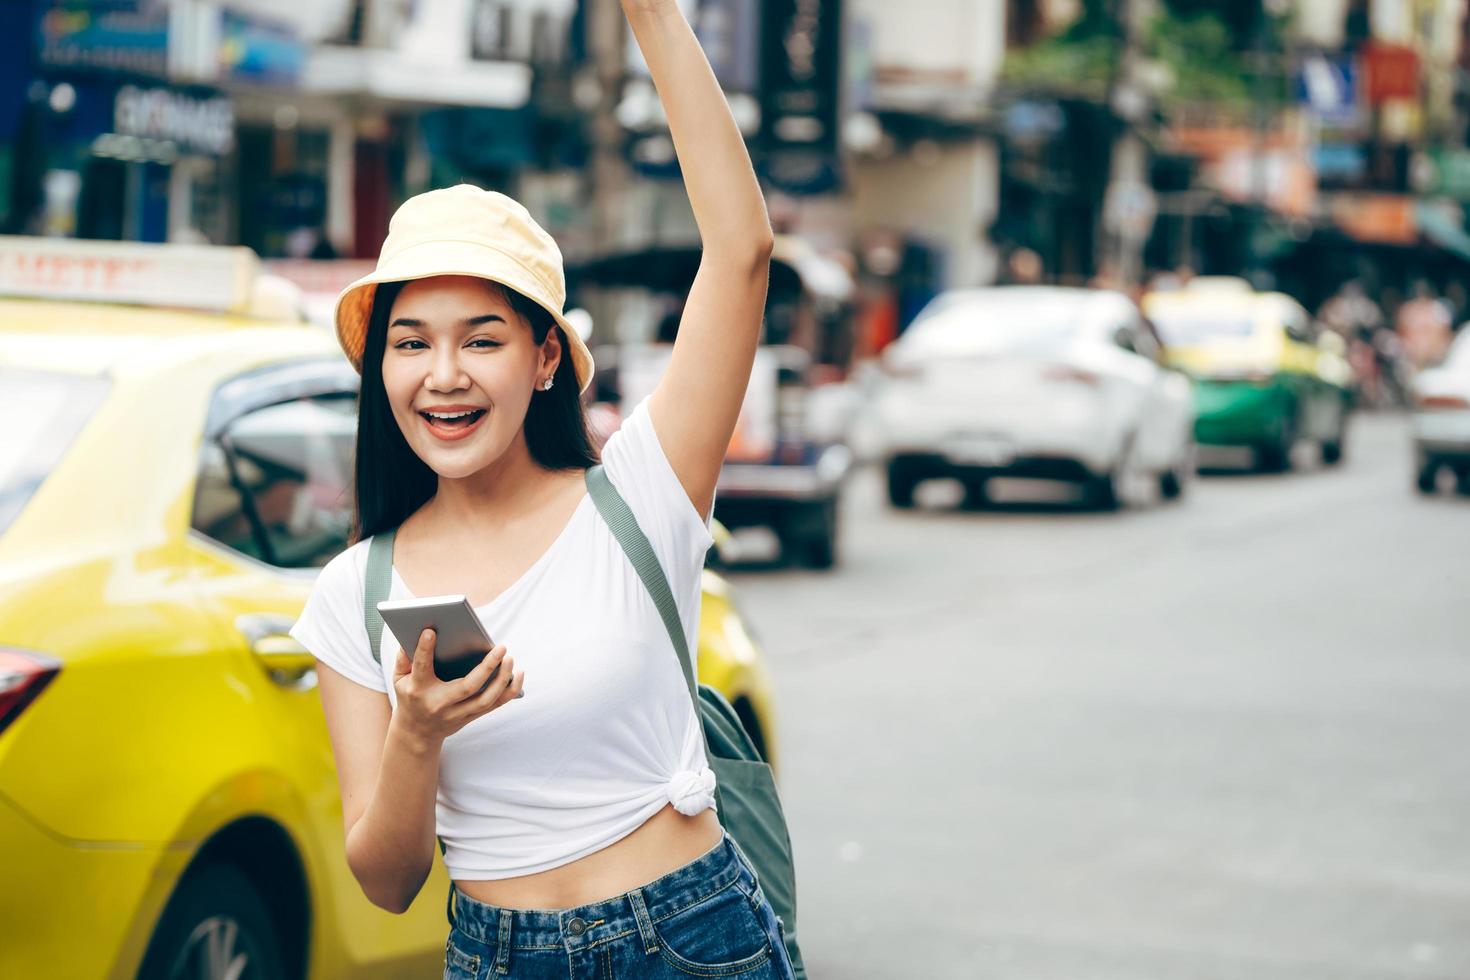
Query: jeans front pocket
{"x": 719, "y": 937}
{"x": 459, "y": 964}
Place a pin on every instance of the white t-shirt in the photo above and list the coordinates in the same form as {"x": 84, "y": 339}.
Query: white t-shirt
{"x": 606, "y": 735}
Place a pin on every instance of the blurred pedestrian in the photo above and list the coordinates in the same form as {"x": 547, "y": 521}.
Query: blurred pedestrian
{"x": 1024, "y": 268}
{"x": 1423, "y": 327}
{"x": 593, "y": 795}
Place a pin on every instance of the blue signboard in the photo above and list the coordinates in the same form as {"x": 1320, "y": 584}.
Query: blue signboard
{"x": 1340, "y": 164}
{"x": 258, "y": 51}
{"x": 1328, "y": 88}
{"x": 115, "y": 35}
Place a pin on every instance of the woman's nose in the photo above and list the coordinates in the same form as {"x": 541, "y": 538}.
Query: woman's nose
{"x": 445, "y": 373}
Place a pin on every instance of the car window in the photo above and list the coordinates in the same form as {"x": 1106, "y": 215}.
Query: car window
{"x": 276, "y": 484}
{"x": 1299, "y": 326}
{"x": 41, "y": 412}
{"x": 1123, "y": 336}
{"x": 1186, "y": 328}
{"x": 1143, "y": 340}
{"x": 973, "y": 328}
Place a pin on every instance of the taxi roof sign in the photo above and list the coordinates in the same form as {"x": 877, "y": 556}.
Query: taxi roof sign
{"x": 201, "y": 277}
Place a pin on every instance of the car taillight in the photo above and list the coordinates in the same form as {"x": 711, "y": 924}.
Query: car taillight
{"x": 791, "y": 412}
{"x": 23, "y": 675}
{"x": 900, "y": 368}
{"x": 1443, "y": 401}
{"x": 1065, "y": 372}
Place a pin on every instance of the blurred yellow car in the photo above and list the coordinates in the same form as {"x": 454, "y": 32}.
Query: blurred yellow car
{"x": 1265, "y": 376}
{"x": 170, "y": 480}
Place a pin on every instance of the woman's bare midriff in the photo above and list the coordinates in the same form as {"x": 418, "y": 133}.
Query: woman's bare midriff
{"x": 668, "y": 840}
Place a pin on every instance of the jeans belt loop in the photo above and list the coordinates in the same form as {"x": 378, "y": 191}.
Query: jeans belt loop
{"x": 645, "y": 924}
{"x": 502, "y": 947}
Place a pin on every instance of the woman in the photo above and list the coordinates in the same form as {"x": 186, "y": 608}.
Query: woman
{"x": 567, "y": 780}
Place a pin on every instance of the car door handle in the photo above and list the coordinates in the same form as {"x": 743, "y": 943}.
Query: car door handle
{"x": 286, "y": 662}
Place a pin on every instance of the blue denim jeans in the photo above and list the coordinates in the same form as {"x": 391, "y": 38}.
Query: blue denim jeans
{"x": 706, "y": 919}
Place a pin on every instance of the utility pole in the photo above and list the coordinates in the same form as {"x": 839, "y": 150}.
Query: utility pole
{"x": 607, "y": 39}
{"x": 1129, "y": 206}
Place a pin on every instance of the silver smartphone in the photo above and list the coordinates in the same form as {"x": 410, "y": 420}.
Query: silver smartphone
{"x": 460, "y": 640}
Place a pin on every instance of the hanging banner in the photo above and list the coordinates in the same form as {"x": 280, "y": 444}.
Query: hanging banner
{"x": 801, "y": 50}
{"x": 1390, "y": 71}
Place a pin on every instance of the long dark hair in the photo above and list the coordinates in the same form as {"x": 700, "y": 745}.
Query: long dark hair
{"x": 391, "y": 482}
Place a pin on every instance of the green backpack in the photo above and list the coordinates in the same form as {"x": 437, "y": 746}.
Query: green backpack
{"x": 745, "y": 787}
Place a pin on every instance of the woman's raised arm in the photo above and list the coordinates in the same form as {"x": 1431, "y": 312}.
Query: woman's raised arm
{"x": 697, "y": 402}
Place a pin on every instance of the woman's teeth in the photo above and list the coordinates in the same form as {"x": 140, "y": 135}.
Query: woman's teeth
{"x": 452, "y": 420}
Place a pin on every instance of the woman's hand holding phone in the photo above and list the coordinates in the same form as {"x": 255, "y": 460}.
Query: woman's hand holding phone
{"x": 436, "y": 709}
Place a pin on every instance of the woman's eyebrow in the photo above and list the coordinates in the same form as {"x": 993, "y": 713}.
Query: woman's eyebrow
{"x": 474, "y": 321}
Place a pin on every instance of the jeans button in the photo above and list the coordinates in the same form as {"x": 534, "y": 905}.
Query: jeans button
{"x": 576, "y": 927}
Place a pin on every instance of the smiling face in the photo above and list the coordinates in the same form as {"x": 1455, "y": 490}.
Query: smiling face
{"x": 460, "y": 368}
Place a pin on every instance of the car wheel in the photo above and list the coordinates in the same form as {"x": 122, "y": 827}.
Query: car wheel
{"x": 215, "y": 926}
{"x": 1462, "y": 483}
{"x": 1101, "y": 492}
{"x": 1275, "y": 457}
{"x": 1332, "y": 452}
{"x": 817, "y": 543}
{"x": 1428, "y": 479}
{"x": 1171, "y": 485}
{"x": 901, "y": 485}
{"x": 977, "y": 492}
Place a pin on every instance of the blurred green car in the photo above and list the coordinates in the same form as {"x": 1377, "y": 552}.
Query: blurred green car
{"x": 1265, "y": 376}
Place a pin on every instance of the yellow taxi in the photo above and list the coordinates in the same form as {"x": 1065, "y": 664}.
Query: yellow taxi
{"x": 1265, "y": 375}
{"x": 172, "y": 474}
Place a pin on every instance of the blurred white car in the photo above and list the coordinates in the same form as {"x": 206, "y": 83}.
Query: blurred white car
{"x": 1048, "y": 382}
{"x": 1442, "y": 418}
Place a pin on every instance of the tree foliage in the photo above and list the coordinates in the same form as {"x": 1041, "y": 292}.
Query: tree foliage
{"x": 1190, "y": 51}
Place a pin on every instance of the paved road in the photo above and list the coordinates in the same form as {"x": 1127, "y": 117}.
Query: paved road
{"x": 1228, "y": 738}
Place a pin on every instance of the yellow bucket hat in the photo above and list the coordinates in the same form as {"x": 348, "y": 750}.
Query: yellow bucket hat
{"x": 464, "y": 231}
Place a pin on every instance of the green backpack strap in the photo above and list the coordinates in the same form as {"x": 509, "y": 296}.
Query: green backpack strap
{"x": 376, "y": 585}
{"x": 624, "y": 526}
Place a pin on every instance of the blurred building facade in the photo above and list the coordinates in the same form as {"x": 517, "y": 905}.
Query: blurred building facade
{"x": 937, "y": 143}
{"x": 1302, "y": 142}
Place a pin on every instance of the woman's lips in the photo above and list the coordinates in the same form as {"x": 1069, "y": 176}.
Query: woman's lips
{"x": 450, "y": 434}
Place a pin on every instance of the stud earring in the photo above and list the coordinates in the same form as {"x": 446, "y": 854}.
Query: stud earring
{"x": 546, "y": 385}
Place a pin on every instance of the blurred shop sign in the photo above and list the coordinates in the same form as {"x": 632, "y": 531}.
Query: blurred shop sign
{"x": 1328, "y": 87}
{"x": 197, "y": 124}
{"x": 1380, "y": 218}
{"x": 255, "y": 50}
{"x": 728, "y": 30}
{"x": 801, "y": 43}
{"x": 535, "y": 32}
{"x": 115, "y": 35}
{"x": 1451, "y": 173}
{"x": 206, "y": 277}
{"x": 1340, "y": 164}
{"x": 1246, "y": 166}
{"x": 1390, "y": 72}
{"x": 1282, "y": 177}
